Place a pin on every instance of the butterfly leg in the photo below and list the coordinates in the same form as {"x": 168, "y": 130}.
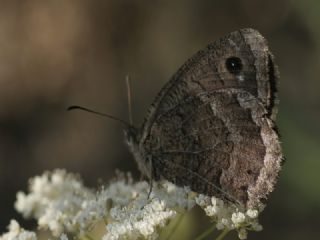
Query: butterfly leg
{"x": 151, "y": 177}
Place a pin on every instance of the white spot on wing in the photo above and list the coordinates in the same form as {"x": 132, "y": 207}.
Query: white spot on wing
{"x": 240, "y": 78}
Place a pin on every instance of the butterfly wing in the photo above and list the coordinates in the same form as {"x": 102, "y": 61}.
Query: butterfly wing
{"x": 211, "y": 127}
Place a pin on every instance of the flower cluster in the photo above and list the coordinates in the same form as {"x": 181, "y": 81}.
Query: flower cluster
{"x": 229, "y": 216}
{"x": 63, "y": 205}
{"x": 59, "y": 202}
{"x": 17, "y": 233}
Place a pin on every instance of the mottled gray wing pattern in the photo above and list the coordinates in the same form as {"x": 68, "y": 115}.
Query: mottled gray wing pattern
{"x": 209, "y": 126}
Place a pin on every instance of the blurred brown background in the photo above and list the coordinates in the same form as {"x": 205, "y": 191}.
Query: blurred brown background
{"x": 54, "y": 53}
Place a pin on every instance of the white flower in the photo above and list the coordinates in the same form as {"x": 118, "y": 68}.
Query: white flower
{"x": 242, "y": 233}
{"x": 255, "y": 226}
{"x": 17, "y": 233}
{"x": 238, "y": 218}
{"x": 252, "y": 213}
{"x": 63, "y": 236}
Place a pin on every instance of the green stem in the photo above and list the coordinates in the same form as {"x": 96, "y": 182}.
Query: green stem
{"x": 89, "y": 237}
{"x": 206, "y": 233}
{"x": 223, "y": 234}
{"x": 175, "y": 226}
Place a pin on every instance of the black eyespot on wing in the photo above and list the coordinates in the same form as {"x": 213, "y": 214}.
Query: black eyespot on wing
{"x": 234, "y": 65}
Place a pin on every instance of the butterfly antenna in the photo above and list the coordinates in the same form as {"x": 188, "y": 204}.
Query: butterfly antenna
{"x": 129, "y": 99}
{"x": 75, "y": 107}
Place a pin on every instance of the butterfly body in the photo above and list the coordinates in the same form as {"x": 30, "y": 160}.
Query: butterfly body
{"x": 212, "y": 126}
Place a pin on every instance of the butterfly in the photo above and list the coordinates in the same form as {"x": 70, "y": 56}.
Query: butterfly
{"x": 212, "y": 126}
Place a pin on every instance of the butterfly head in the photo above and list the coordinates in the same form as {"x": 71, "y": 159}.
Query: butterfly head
{"x": 132, "y": 138}
{"x": 131, "y": 135}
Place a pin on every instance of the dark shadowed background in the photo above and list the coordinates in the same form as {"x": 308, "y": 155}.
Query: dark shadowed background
{"x": 55, "y": 53}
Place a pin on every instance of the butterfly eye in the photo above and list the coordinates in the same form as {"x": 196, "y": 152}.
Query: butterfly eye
{"x": 234, "y": 65}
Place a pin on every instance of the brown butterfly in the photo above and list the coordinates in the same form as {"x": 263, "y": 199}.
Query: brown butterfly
{"x": 212, "y": 126}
